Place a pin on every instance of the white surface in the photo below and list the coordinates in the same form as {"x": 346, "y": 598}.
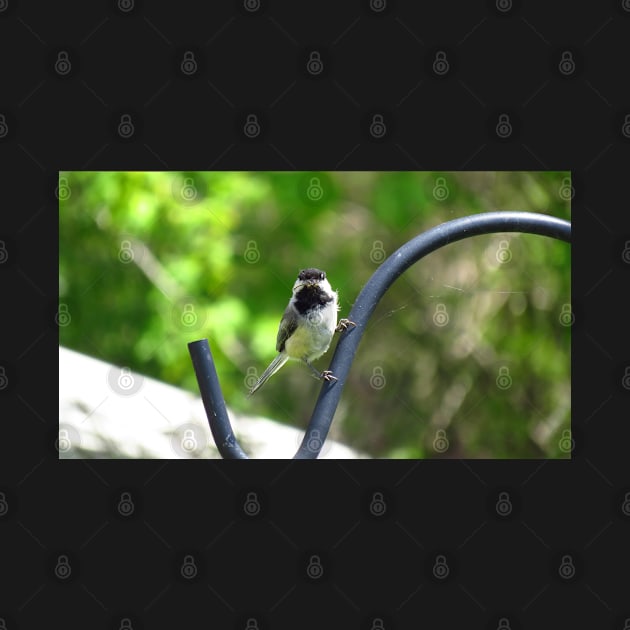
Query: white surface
{"x": 147, "y": 419}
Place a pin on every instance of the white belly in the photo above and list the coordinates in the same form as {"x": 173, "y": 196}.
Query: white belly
{"x": 313, "y": 337}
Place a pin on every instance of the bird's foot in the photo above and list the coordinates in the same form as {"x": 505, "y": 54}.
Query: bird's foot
{"x": 327, "y": 375}
{"x": 343, "y": 325}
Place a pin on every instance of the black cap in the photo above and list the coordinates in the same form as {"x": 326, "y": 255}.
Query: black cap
{"x": 312, "y": 274}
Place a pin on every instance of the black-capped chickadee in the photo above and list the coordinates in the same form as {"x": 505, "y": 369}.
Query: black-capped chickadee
{"x": 307, "y": 326}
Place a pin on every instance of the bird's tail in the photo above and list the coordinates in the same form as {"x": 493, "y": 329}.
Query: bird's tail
{"x": 274, "y": 366}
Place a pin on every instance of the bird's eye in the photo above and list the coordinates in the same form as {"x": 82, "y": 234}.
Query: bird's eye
{"x": 322, "y": 276}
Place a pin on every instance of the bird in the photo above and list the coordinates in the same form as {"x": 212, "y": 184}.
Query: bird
{"x": 307, "y": 325}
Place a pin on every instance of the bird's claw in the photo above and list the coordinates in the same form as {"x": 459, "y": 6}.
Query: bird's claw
{"x": 327, "y": 375}
{"x": 344, "y": 324}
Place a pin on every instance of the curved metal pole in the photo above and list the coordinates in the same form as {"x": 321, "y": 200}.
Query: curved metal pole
{"x": 372, "y": 292}
{"x": 213, "y": 400}
{"x": 384, "y": 277}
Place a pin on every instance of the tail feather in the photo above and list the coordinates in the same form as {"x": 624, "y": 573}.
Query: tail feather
{"x": 274, "y": 366}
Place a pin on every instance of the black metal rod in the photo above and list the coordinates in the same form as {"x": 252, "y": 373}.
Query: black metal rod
{"x": 410, "y": 253}
{"x": 213, "y": 400}
{"x": 330, "y": 394}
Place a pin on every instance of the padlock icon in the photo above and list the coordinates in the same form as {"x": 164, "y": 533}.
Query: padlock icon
{"x": 4, "y": 254}
{"x": 189, "y": 63}
{"x": 314, "y": 65}
{"x": 189, "y": 191}
{"x": 378, "y": 624}
{"x": 377, "y": 127}
{"x": 4, "y": 506}
{"x": 189, "y": 568}
{"x": 377, "y": 380}
{"x": 504, "y": 380}
{"x": 440, "y": 63}
{"x": 63, "y": 192}
{"x": 378, "y": 507}
{"x": 125, "y": 6}
{"x": 125, "y": 624}
{"x": 566, "y": 191}
{"x": 504, "y": 255}
{"x": 251, "y": 507}
{"x": 125, "y": 126}
{"x": 126, "y": 380}
{"x": 504, "y": 126}
{"x": 566, "y": 443}
{"x": 125, "y": 504}
{"x": 440, "y": 442}
{"x": 315, "y": 317}
{"x": 566, "y": 568}
{"x": 62, "y": 568}
{"x": 251, "y": 5}
{"x": 625, "y": 128}
{"x": 625, "y": 381}
{"x": 378, "y": 5}
{"x": 625, "y": 506}
{"x": 63, "y": 65}
{"x": 63, "y": 317}
{"x": 189, "y": 317}
{"x": 125, "y": 253}
{"x": 252, "y": 254}
{"x": 567, "y": 64}
{"x": 63, "y": 441}
{"x": 4, "y": 128}
{"x": 504, "y": 624}
{"x": 503, "y": 505}
{"x": 377, "y": 255}
{"x": 440, "y": 190}
{"x": 314, "y": 570}
{"x": 251, "y": 128}
{"x": 504, "y": 5}
{"x": 251, "y": 378}
{"x": 440, "y": 568}
{"x": 440, "y": 317}
{"x": 314, "y": 443}
{"x": 189, "y": 441}
{"x": 625, "y": 254}
{"x": 566, "y": 315}
{"x": 251, "y": 624}
{"x": 315, "y": 191}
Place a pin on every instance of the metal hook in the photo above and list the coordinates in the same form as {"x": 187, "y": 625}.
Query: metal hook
{"x": 330, "y": 393}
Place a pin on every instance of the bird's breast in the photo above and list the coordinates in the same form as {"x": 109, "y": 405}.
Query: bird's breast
{"x": 313, "y": 336}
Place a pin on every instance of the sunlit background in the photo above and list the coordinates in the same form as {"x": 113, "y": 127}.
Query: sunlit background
{"x": 467, "y": 355}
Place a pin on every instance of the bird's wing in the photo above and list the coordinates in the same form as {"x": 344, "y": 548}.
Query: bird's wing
{"x": 288, "y": 324}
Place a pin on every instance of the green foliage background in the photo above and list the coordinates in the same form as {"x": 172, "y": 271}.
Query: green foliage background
{"x": 151, "y": 261}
